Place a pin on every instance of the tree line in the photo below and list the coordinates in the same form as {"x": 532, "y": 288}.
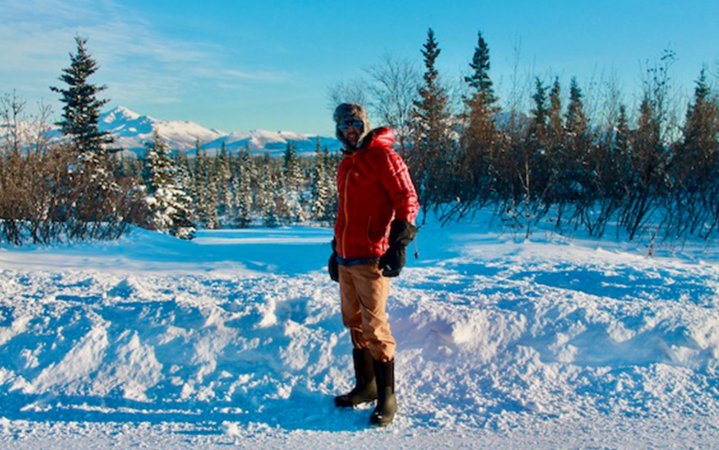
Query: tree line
{"x": 637, "y": 172}
{"x": 77, "y": 189}
{"x": 643, "y": 172}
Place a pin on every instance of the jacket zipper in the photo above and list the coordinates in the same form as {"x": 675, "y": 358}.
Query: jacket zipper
{"x": 347, "y": 217}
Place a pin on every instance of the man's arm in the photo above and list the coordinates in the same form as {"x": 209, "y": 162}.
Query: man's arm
{"x": 396, "y": 180}
{"x": 394, "y": 176}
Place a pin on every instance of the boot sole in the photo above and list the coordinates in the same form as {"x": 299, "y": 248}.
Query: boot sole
{"x": 381, "y": 423}
{"x": 353, "y": 404}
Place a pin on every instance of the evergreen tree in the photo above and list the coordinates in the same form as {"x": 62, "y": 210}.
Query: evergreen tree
{"x": 648, "y": 168}
{"x": 244, "y": 193}
{"x": 698, "y": 150}
{"x": 430, "y": 158}
{"x": 167, "y": 202}
{"x": 206, "y": 190}
{"x": 331, "y": 163}
{"x": 558, "y": 158}
{"x": 92, "y": 208}
{"x": 581, "y": 152}
{"x": 320, "y": 190}
{"x": 539, "y": 115}
{"x": 223, "y": 182}
{"x": 291, "y": 166}
{"x": 480, "y": 138}
{"x": 81, "y": 107}
{"x": 535, "y": 175}
{"x": 556, "y": 125}
{"x": 292, "y": 186}
{"x": 479, "y": 80}
{"x": 577, "y": 122}
{"x": 695, "y": 164}
{"x": 587, "y": 164}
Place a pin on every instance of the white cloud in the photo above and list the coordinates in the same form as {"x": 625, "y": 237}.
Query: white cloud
{"x": 136, "y": 62}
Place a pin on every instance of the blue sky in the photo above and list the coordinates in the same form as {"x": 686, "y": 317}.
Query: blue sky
{"x": 238, "y": 65}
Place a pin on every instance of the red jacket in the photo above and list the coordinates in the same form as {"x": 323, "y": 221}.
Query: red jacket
{"x": 373, "y": 187}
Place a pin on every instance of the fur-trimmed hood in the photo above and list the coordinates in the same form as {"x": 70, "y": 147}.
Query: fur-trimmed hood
{"x": 351, "y": 111}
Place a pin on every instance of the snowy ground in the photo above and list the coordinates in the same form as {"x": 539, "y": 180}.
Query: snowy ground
{"x": 236, "y": 339}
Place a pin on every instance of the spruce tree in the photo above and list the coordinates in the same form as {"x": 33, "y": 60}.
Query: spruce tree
{"x": 92, "y": 209}
{"x": 331, "y": 163}
{"x": 430, "y": 159}
{"x": 556, "y": 125}
{"x": 536, "y": 172}
{"x": 223, "y": 182}
{"x": 539, "y": 114}
{"x": 559, "y": 177}
{"x": 319, "y": 191}
{"x": 292, "y": 183}
{"x": 700, "y": 135}
{"x": 244, "y": 193}
{"x": 168, "y": 203}
{"x": 480, "y": 138}
{"x": 577, "y": 121}
{"x": 81, "y": 107}
{"x": 695, "y": 164}
{"x": 648, "y": 168}
{"x": 479, "y": 80}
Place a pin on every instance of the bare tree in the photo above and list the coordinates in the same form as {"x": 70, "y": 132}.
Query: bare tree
{"x": 393, "y": 85}
{"x": 351, "y": 91}
{"x": 12, "y": 114}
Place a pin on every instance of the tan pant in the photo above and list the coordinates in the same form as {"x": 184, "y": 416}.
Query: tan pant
{"x": 364, "y": 292}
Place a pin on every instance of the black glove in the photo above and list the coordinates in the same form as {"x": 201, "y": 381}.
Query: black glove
{"x": 401, "y": 234}
{"x": 332, "y": 266}
{"x": 393, "y": 261}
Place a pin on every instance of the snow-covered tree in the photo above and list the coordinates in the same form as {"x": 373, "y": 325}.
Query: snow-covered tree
{"x": 205, "y": 190}
{"x": 292, "y": 182}
{"x": 167, "y": 201}
{"x": 320, "y": 193}
{"x": 223, "y": 181}
{"x": 243, "y": 191}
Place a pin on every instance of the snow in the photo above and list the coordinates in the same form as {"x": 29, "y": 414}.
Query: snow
{"x": 235, "y": 338}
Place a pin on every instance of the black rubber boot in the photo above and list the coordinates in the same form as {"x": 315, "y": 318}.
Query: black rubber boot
{"x": 386, "y": 400}
{"x": 365, "y": 389}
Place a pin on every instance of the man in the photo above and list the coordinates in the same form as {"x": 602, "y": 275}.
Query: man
{"x": 375, "y": 222}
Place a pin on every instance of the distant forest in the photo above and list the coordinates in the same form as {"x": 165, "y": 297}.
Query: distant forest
{"x": 648, "y": 172}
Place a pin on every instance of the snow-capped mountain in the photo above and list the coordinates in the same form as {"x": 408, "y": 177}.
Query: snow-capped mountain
{"x": 272, "y": 142}
{"x": 132, "y": 131}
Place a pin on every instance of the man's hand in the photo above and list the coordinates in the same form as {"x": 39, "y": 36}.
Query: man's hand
{"x": 401, "y": 234}
{"x": 393, "y": 261}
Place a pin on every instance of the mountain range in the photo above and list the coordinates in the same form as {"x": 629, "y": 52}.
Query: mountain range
{"x": 132, "y": 131}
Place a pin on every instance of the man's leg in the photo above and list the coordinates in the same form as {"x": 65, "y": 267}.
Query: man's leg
{"x": 365, "y": 389}
{"x": 351, "y": 313}
{"x": 373, "y": 289}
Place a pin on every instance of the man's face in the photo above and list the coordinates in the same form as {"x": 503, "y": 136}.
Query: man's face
{"x": 351, "y": 130}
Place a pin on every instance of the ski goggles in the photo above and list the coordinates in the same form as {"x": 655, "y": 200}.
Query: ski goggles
{"x": 357, "y": 124}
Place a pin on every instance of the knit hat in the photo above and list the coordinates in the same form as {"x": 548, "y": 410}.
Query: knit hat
{"x": 350, "y": 111}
